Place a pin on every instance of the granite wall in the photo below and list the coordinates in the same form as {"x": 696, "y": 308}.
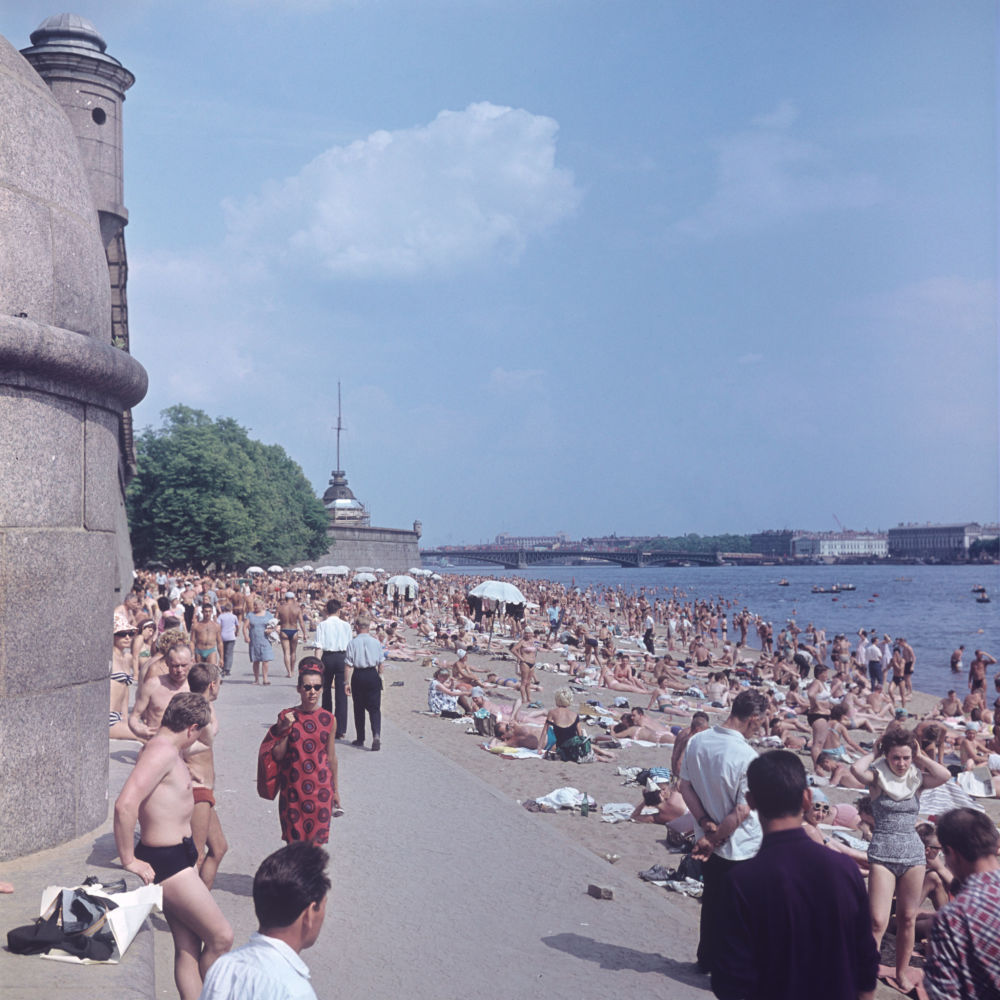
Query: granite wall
{"x": 391, "y": 549}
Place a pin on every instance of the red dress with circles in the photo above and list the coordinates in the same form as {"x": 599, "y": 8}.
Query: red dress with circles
{"x": 305, "y": 780}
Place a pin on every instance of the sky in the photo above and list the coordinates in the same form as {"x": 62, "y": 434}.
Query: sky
{"x": 635, "y": 267}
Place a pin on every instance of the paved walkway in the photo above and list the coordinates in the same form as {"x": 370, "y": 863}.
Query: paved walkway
{"x": 443, "y": 888}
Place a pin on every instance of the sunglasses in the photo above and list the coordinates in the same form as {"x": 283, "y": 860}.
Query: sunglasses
{"x": 127, "y": 632}
{"x": 311, "y": 687}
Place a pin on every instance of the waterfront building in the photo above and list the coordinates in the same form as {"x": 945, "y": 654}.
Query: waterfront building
{"x": 946, "y": 542}
{"x": 773, "y": 544}
{"x": 841, "y": 545}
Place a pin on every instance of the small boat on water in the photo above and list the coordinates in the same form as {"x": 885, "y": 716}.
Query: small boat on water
{"x": 979, "y": 589}
{"x": 783, "y": 582}
{"x": 983, "y": 597}
{"x": 845, "y": 586}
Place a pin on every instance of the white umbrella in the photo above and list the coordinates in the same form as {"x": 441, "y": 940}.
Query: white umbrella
{"x": 402, "y": 585}
{"x": 296, "y": 569}
{"x": 255, "y": 569}
{"x": 365, "y": 578}
{"x": 364, "y": 569}
{"x": 436, "y": 576}
{"x": 380, "y": 571}
{"x": 333, "y": 571}
{"x": 325, "y": 569}
{"x": 417, "y": 571}
{"x": 498, "y": 590}
{"x": 275, "y": 569}
{"x": 307, "y": 568}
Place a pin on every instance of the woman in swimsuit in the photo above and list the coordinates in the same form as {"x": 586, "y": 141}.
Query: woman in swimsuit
{"x": 818, "y": 715}
{"x": 895, "y": 775}
{"x": 526, "y": 652}
{"x": 122, "y": 678}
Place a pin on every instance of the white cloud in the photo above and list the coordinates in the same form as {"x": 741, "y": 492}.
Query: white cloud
{"x": 766, "y": 176}
{"x": 430, "y": 199}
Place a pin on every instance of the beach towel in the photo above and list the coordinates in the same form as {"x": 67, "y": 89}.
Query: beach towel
{"x": 566, "y": 798}
{"x": 937, "y": 801}
{"x": 616, "y": 812}
{"x": 976, "y": 785}
{"x": 894, "y": 787}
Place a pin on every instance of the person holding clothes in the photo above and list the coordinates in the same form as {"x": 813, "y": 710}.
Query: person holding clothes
{"x": 895, "y": 774}
{"x": 290, "y": 891}
{"x": 793, "y": 897}
{"x": 364, "y": 658}
{"x": 306, "y": 752}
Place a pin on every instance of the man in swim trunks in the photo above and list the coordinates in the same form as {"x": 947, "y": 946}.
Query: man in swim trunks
{"x": 289, "y": 616}
{"x": 206, "y": 830}
{"x": 158, "y": 796}
{"x": 206, "y": 637}
{"x": 155, "y": 693}
{"x": 977, "y": 671}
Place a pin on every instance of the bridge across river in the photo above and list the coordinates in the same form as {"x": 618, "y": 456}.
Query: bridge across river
{"x": 525, "y": 558}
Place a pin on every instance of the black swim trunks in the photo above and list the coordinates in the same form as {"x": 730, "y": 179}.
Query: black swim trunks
{"x": 167, "y": 861}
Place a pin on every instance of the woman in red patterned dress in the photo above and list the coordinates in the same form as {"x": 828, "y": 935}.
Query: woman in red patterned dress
{"x": 306, "y": 753}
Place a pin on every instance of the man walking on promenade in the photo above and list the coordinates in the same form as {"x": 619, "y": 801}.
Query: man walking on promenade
{"x": 963, "y": 958}
{"x": 290, "y": 621}
{"x": 158, "y": 796}
{"x": 363, "y": 682}
{"x": 155, "y": 693}
{"x": 794, "y": 900}
{"x": 332, "y": 636}
{"x": 289, "y": 897}
{"x": 714, "y": 786}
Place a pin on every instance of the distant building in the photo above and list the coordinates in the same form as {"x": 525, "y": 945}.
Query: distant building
{"x": 506, "y": 541}
{"x": 841, "y": 545}
{"x": 937, "y": 541}
{"x": 773, "y": 544}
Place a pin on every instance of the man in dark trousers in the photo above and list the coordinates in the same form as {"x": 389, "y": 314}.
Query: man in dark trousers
{"x": 365, "y": 657}
{"x": 796, "y": 921}
{"x": 332, "y": 636}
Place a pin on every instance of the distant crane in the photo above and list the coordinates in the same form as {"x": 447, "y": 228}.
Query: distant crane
{"x": 839, "y": 525}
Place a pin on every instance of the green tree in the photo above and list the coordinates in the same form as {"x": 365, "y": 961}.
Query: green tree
{"x": 206, "y": 493}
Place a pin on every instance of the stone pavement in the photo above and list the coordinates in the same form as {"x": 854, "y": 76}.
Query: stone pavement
{"x": 442, "y": 887}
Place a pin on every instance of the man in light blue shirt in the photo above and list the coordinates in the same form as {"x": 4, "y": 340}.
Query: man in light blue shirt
{"x": 289, "y": 897}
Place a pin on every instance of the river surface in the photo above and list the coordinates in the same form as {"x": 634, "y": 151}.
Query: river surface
{"x": 931, "y": 606}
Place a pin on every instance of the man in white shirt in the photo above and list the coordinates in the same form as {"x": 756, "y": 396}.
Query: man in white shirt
{"x": 289, "y": 897}
{"x": 714, "y": 787}
{"x": 332, "y": 636}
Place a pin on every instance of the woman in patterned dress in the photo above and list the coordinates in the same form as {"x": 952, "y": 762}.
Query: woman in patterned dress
{"x": 306, "y": 753}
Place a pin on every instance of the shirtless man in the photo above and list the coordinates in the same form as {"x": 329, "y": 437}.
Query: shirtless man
{"x": 206, "y": 637}
{"x": 290, "y": 620}
{"x": 956, "y": 660}
{"x": 950, "y": 706}
{"x": 909, "y": 662}
{"x": 239, "y": 602}
{"x": 158, "y": 796}
{"x": 155, "y": 695}
{"x": 206, "y": 830}
{"x": 977, "y": 670}
{"x": 666, "y": 807}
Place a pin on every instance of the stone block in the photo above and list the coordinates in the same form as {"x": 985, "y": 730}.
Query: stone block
{"x": 41, "y": 460}
{"x": 40, "y": 737}
{"x": 25, "y": 257}
{"x": 81, "y": 288}
{"x": 102, "y": 494}
{"x": 55, "y": 607}
{"x": 600, "y": 892}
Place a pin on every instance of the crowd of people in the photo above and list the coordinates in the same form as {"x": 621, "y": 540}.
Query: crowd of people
{"x": 634, "y": 668}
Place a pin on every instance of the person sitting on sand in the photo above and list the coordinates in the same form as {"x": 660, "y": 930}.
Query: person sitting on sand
{"x": 571, "y": 742}
{"x": 838, "y": 740}
{"x": 612, "y": 682}
{"x": 789, "y": 731}
{"x": 822, "y": 812}
{"x": 463, "y": 672}
{"x": 836, "y": 771}
{"x": 443, "y": 698}
{"x": 950, "y": 708}
{"x": 666, "y": 807}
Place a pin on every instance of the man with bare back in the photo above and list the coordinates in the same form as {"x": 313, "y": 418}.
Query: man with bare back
{"x": 157, "y": 796}
{"x": 206, "y": 637}
{"x": 205, "y": 679}
{"x": 289, "y": 616}
{"x": 156, "y": 692}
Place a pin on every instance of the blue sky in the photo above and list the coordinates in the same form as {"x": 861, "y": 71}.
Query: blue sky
{"x": 643, "y": 267}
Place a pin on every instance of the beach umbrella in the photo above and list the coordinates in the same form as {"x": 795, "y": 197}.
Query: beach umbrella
{"x": 417, "y": 571}
{"x": 255, "y": 569}
{"x": 364, "y": 569}
{"x": 323, "y": 570}
{"x": 365, "y": 578}
{"x": 275, "y": 569}
{"x": 498, "y": 590}
{"x": 307, "y": 568}
{"x": 380, "y": 571}
{"x": 436, "y": 576}
{"x": 402, "y": 584}
{"x": 333, "y": 571}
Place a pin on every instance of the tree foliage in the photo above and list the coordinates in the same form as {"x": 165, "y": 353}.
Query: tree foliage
{"x": 702, "y": 543}
{"x": 206, "y": 493}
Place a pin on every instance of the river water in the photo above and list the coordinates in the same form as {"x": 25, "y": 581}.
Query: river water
{"x": 931, "y": 606}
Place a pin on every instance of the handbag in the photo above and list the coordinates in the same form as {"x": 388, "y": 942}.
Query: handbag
{"x": 267, "y": 766}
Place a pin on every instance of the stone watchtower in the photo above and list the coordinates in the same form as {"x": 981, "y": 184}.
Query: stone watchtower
{"x": 65, "y": 436}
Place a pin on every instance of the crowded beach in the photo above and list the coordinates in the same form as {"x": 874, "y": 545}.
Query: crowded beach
{"x": 579, "y": 704}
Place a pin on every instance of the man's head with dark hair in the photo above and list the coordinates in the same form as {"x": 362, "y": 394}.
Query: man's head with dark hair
{"x": 333, "y": 606}
{"x": 287, "y": 882}
{"x": 747, "y": 704}
{"x": 186, "y": 709}
{"x": 776, "y": 783}
{"x": 968, "y": 833}
{"x": 700, "y": 717}
{"x": 201, "y": 675}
